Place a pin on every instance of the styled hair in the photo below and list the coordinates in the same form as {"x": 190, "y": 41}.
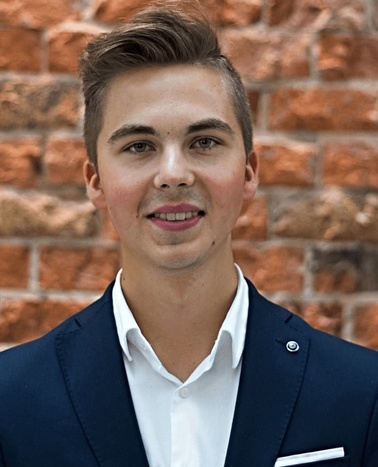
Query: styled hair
{"x": 157, "y": 36}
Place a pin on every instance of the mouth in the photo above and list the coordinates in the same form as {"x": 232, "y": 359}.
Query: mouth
{"x": 176, "y": 216}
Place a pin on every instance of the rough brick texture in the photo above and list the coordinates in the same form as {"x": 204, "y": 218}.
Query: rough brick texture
{"x": 310, "y": 238}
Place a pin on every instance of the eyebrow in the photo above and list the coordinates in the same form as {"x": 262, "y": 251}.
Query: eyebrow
{"x": 210, "y": 124}
{"x": 201, "y": 125}
{"x": 127, "y": 130}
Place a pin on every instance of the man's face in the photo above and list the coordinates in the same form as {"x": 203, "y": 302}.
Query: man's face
{"x": 172, "y": 169}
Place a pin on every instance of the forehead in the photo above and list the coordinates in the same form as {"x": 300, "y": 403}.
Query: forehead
{"x": 155, "y": 95}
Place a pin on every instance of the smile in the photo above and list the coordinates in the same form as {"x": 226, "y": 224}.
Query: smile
{"x": 176, "y": 216}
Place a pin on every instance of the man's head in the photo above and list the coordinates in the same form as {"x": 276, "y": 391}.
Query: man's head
{"x": 156, "y": 37}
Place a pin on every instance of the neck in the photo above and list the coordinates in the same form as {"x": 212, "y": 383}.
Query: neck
{"x": 180, "y": 312}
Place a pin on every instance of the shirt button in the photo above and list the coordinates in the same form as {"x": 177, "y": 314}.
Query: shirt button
{"x": 184, "y": 392}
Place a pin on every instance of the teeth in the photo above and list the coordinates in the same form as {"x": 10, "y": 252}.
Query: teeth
{"x": 176, "y": 216}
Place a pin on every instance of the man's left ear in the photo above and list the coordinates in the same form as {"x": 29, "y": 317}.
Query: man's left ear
{"x": 251, "y": 177}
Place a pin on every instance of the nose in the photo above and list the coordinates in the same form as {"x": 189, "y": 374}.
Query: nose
{"x": 174, "y": 170}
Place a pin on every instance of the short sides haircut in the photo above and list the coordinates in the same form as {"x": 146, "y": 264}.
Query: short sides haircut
{"x": 157, "y": 36}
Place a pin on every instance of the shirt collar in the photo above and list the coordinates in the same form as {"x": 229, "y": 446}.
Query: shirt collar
{"x": 234, "y": 324}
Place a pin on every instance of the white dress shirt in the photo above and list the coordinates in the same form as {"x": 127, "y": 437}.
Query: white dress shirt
{"x": 184, "y": 424}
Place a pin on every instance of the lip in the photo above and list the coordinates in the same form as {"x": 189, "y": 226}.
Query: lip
{"x": 169, "y": 208}
{"x": 177, "y": 226}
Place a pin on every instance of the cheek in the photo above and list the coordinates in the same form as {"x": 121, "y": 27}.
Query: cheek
{"x": 228, "y": 193}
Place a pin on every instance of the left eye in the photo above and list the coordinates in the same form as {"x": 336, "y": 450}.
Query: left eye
{"x": 205, "y": 143}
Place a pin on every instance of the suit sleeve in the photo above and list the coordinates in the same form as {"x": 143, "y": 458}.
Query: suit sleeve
{"x": 371, "y": 452}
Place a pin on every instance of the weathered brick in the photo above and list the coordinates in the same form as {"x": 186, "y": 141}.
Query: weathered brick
{"x": 20, "y": 50}
{"x": 324, "y": 109}
{"x": 26, "y": 319}
{"x": 331, "y": 215}
{"x": 37, "y": 13}
{"x": 323, "y": 14}
{"x": 366, "y": 325}
{"x": 375, "y": 13}
{"x": 225, "y": 12}
{"x": 110, "y": 11}
{"x": 291, "y": 163}
{"x": 42, "y": 215}
{"x": 252, "y": 223}
{"x": 261, "y": 56}
{"x": 19, "y": 161}
{"x": 65, "y": 47}
{"x": 14, "y": 266}
{"x": 336, "y": 269}
{"x": 326, "y": 317}
{"x": 222, "y": 12}
{"x": 78, "y": 268}
{"x": 64, "y": 161}
{"x": 344, "y": 56}
{"x": 351, "y": 163}
{"x": 271, "y": 268}
{"x": 38, "y": 103}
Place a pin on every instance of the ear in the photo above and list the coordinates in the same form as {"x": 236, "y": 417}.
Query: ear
{"x": 251, "y": 177}
{"x": 94, "y": 189}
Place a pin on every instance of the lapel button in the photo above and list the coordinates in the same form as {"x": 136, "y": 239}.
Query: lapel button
{"x": 292, "y": 346}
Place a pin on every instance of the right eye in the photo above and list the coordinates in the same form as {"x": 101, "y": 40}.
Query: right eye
{"x": 139, "y": 147}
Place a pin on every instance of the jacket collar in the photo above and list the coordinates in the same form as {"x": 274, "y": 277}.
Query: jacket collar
{"x": 93, "y": 368}
{"x": 270, "y": 381}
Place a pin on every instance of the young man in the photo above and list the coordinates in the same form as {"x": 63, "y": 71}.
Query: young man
{"x": 181, "y": 362}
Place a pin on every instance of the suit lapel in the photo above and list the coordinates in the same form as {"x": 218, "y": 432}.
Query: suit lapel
{"x": 270, "y": 381}
{"x": 93, "y": 368}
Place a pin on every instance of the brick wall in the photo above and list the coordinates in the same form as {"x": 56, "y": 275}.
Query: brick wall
{"x": 309, "y": 240}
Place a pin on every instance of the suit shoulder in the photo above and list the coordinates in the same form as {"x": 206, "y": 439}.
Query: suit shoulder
{"x": 23, "y": 356}
{"x": 322, "y": 344}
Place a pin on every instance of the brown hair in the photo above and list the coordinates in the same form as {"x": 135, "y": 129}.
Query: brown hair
{"x": 157, "y": 36}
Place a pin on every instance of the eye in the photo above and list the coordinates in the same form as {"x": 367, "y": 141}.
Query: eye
{"x": 138, "y": 147}
{"x": 205, "y": 143}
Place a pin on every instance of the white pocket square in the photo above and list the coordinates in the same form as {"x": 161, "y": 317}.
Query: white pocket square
{"x": 307, "y": 457}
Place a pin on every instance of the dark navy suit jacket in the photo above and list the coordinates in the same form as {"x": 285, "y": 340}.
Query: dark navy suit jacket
{"x": 65, "y": 399}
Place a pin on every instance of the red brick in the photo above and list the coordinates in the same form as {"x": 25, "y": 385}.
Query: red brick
{"x": 324, "y": 14}
{"x": 223, "y": 12}
{"x": 78, "y": 268}
{"x": 286, "y": 164}
{"x": 38, "y": 103}
{"x": 37, "y": 13}
{"x": 366, "y": 325}
{"x": 322, "y": 109}
{"x": 226, "y": 12}
{"x": 29, "y": 318}
{"x": 64, "y": 161}
{"x": 35, "y": 214}
{"x": 109, "y": 11}
{"x": 271, "y": 268}
{"x": 252, "y": 223}
{"x": 261, "y": 56}
{"x": 19, "y": 161}
{"x": 326, "y": 317}
{"x": 65, "y": 47}
{"x": 346, "y": 57}
{"x": 14, "y": 266}
{"x": 332, "y": 215}
{"x": 351, "y": 163}
{"x": 20, "y": 50}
